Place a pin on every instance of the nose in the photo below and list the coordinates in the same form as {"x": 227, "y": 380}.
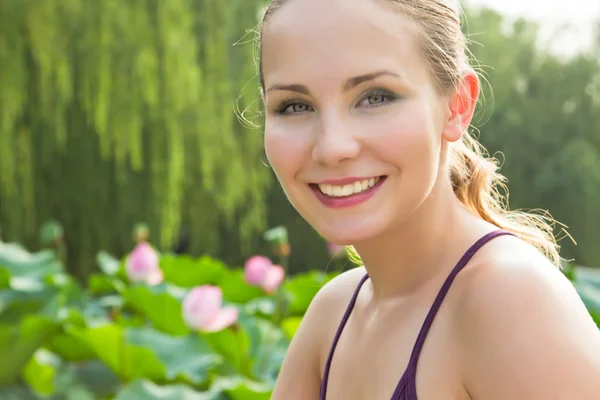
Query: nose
{"x": 335, "y": 142}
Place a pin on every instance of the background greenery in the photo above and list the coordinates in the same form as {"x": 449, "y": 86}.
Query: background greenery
{"x": 114, "y": 112}
{"x": 122, "y": 340}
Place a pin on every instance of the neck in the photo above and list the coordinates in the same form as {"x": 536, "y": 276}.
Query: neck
{"x": 403, "y": 260}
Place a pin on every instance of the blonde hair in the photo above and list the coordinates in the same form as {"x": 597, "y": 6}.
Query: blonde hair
{"x": 474, "y": 175}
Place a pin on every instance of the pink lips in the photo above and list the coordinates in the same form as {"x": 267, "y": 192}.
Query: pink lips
{"x": 347, "y": 201}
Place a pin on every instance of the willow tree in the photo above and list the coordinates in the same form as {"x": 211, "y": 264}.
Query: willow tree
{"x": 114, "y": 112}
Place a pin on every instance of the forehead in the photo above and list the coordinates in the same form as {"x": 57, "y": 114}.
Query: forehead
{"x": 333, "y": 39}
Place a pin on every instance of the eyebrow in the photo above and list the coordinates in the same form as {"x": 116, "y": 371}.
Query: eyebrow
{"x": 349, "y": 84}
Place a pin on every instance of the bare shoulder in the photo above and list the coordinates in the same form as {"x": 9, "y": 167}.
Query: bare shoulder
{"x": 327, "y": 308}
{"x": 300, "y": 375}
{"x": 523, "y": 330}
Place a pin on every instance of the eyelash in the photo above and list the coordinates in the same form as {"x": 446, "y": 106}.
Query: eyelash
{"x": 386, "y": 94}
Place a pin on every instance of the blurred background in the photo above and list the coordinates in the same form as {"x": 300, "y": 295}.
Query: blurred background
{"x": 120, "y": 116}
{"x": 114, "y": 113}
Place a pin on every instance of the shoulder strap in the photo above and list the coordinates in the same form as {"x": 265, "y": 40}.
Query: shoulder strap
{"x": 336, "y": 339}
{"x": 412, "y": 365}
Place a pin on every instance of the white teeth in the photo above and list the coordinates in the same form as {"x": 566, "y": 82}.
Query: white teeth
{"x": 350, "y": 189}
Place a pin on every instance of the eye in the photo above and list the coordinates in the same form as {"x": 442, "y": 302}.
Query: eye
{"x": 292, "y": 107}
{"x": 377, "y": 98}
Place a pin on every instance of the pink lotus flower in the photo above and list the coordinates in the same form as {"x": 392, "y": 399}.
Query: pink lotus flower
{"x": 256, "y": 269}
{"x": 142, "y": 265}
{"x": 273, "y": 279}
{"x": 203, "y": 309}
{"x": 260, "y": 271}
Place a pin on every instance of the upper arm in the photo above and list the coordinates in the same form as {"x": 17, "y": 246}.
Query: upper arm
{"x": 299, "y": 377}
{"x": 527, "y": 335}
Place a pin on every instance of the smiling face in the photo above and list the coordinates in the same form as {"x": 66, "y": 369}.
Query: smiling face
{"x": 355, "y": 126}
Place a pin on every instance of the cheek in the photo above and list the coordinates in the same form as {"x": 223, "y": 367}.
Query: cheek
{"x": 407, "y": 139}
{"x": 285, "y": 147}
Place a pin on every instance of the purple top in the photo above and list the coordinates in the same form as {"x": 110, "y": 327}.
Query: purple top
{"x": 406, "y": 388}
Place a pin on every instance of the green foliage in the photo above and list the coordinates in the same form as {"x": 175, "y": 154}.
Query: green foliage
{"x": 118, "y": 339}
{"x": 541, "y": 114}
{"x": 127, "y": 109}
{"x": 122, "y": 340}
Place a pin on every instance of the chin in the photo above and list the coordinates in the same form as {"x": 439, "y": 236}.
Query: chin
{"x": 347, "y": 233}
{"x": 356, "y": 225}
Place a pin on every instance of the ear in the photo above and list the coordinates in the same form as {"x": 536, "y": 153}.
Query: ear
{"x": 461, "y": 106}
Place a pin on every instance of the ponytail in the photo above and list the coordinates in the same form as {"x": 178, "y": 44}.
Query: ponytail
{"x": 482, "y": 190}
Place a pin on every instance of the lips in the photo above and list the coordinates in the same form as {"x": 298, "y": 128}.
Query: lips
{"x": 347, "y": 192}
{"x": 348, "y": 189}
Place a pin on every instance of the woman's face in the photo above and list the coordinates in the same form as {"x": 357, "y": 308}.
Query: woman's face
{"x": 354, "y": 123}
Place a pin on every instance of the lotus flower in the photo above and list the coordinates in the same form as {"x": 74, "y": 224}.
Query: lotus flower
{"x": 256, "y": 269}
{"x": 260, "y": 271}
{"x": 203, "y": 309}
{"x": 273, "y": 279}
{"x": 142, "y": 265}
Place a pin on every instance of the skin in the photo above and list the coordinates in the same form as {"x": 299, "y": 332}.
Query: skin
{"x": 511, "y": 326}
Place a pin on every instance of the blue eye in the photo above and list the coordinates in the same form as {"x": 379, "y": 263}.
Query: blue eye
{"x": 292, "y": 107}
{"x": 377, "y": 98}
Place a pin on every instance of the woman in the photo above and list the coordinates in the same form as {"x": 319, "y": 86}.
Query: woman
{"x": 367, "y": 105}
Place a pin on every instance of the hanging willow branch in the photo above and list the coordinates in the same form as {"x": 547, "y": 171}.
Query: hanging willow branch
{"x": 113, "y": 112}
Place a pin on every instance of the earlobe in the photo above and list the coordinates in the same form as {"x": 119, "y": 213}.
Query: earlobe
{"x": 462, "y": 106}
{"x": 454, "y": 129}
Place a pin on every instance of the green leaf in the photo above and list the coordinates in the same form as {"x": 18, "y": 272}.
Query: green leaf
{"x": 253, "y": 348}
{"x": 26, "y": 296}
{"x": 19, "y": 342}
{"x": 188, "y": 272}
{"x": 243, "y": 389}
{"x": 102, "y": 284}
{"x": 107, "y": 263}
{"x": 70, "y": 291}
{"x": 264, "y": 306}
{"x": 40, "y": 372}
{"x": 233, "y": 344}
{"x": 143, "y": 353}
{"x": 146, "y": 390}
{"x": 96, "y": 377}
{"x": 161, "y": 304}
{"x": 18, "y": 392}
{"x": 188, "y": 357}
{"x": 4, "y": 278}
{"x": 267, "y": 347}
{"x": 289, "y": 326}
{"x": 69, "y": 347}
{"x": 110, "y": 345}
{"x": 587, "y": 275}
{"x": 590, "y": 295}
{"x": 236, "y": 290}
{"x": 303, "y": 288}
{"x": 596, "y": 317}
{"x": 78, "y": 392}
{"x": 21, "y": 263}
